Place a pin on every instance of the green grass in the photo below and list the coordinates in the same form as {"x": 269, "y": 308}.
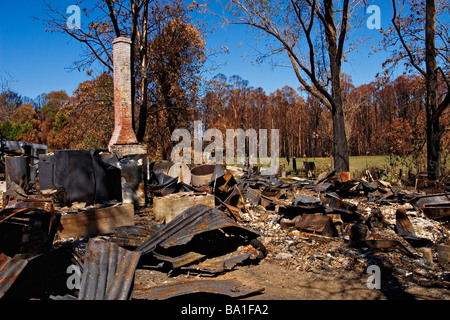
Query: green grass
{"x": 326, "y": 164}
{"x": 391, "y": 165}
{"x": 357, "y": 164}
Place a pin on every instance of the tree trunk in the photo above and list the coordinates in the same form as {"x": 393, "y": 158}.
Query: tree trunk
{"x": 132, "y": 60}
{"x": 143, "y": 113}
{"x": 433, "y": 149}
{"x": 433, "y": 130}
{"x": 341, "y": 158}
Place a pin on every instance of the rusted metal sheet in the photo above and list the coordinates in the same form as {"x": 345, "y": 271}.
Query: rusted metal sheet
{"x": 162, "y": 184}
{"x": 437, "y": 212}
{"x": 232, "y": 196}
{"x": 197, "y": 234}
{"x": 253, "y": 196}
{"x": 232, "y": 288}
{"x": 132, "y": 236}
{"x": 220, "y": 264}
{"x": 420, "y": 202}
{"x": 181, "y": 260}
{"x": 10, "y": 269}
{"x": 355, "y": 186}
{"x": 316, "y": 223}
{"x": 108, "y": 271}
{"x": 403, "y": 226}
{"x": 307, "y": 202}
{"x": 433, "y": 206}
{"x": 185, "y": 226}
{"x": 225, "y": 187}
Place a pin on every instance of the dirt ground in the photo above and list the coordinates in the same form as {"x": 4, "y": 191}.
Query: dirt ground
{"x": 282, "y": 282}
{"x": 306, "y": 267}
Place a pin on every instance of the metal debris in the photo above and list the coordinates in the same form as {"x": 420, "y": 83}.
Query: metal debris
{"x": 316, "y": 223}
{"x": 192, "y": 222}
{"x": 108, "y": 272}
{"x": 10, "y": 269}
{"x": 27, "y": 230}
{"x": 331, "y": 223}
{"x": 200, "y": 229}
{"x": 435, "y": 206}
{"x": 231, "y": 288}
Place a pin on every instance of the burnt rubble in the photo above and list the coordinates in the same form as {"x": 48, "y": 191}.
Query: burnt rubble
{"x": 309, "y": 225}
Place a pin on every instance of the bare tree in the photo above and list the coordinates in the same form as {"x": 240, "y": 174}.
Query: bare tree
{"x": 425, "y": 46}
{"x": 312, "y": 34}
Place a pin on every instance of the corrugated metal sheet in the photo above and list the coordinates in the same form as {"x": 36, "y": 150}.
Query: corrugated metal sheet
{"x": 108, "y": 271}
{"x": 185, "y": 226}
{"x": 10, "y": 269}
{"x": 231, "y": 288}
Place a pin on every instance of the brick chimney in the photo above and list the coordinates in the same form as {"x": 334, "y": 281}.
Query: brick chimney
{"x": 123, "y": 138}
{"x": 123, "y": 125}
{"x": 132, "y": 155}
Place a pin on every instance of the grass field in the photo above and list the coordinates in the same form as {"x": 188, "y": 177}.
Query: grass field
{"x": 357, "y": 164}
{"x": 391, "y": 165}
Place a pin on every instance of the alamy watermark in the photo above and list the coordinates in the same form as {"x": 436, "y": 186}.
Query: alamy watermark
{"x": 251, "y": 146}
{"x": 374, "y": 280}
{"x": 74, "y": 280}
{"x": 74, "y": 20}
{"x": 374, "y": 21}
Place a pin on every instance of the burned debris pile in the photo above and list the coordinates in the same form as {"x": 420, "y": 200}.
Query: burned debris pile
{"x": 79, "y": 229}
{"x": 203, "y": 223}
{"x": 337, "y": 224}
{"x": 220, "y": 220}
{"x": 85, "y": 219}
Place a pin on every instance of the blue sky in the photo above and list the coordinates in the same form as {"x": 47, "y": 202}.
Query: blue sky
{"x": 35, "y": 61}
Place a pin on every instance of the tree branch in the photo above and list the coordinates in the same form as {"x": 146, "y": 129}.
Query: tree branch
{"x": 113, "y": 18}
{"x": 442, "y": 106}
{"x": 402, "y": 40}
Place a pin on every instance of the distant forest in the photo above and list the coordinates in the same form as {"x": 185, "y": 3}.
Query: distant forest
{"x": 380, "y": 120}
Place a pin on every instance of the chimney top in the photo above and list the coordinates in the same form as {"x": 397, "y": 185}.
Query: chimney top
{"x": 122, "y": 39}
